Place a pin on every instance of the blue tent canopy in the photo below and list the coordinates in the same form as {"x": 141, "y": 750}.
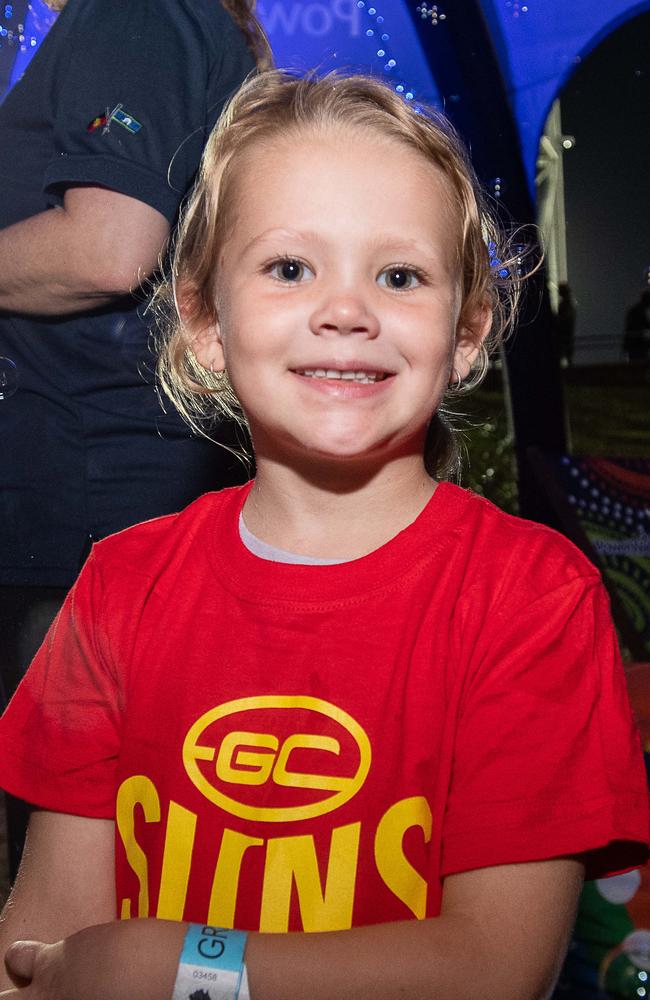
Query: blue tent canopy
{"x": 540, "y": 42}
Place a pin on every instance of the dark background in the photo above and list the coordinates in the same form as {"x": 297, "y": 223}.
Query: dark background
{"x": 606, "y": 106}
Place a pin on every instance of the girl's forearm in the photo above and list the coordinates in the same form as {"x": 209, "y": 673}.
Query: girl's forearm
{"x": 418, "y": 960}
{"x": 138, "y": 960}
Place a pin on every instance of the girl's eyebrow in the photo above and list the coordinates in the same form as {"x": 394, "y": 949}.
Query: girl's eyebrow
{"x": 396, "y": 243}
{"x": 271, "y": 235}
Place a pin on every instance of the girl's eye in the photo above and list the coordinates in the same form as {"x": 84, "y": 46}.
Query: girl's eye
{"x": 399, "y": 278}
{"x": 290, "y": 270}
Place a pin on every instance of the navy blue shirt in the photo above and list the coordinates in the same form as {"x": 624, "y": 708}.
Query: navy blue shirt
{"x": 122, "y": 94}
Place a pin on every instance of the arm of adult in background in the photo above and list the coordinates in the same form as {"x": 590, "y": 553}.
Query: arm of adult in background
{"x": 66, "y": 880}
{"x": 98, "y": 245}
{"x": 502, "y": 932}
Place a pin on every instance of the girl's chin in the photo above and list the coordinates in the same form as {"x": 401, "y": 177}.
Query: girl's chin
{"x": 344, "y": 446}
{"x": 349, "y": 455}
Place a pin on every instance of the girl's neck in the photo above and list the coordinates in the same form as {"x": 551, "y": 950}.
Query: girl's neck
{"x": 335, "y": 517}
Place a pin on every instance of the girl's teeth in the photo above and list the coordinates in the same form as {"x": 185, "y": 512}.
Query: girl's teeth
{"x": 348, "y": 376}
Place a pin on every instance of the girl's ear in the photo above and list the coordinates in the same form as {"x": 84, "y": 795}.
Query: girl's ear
{"x": 205, "y": 344}
{"x": 202, "y": 332}
{"x": 473, "y": 327}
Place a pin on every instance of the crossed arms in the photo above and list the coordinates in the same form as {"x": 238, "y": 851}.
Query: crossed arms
{"x": 503, "y": 930}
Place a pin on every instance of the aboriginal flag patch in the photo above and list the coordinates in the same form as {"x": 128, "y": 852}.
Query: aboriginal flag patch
{"x": 96, "y": 123}
{"x": 117, "y": 115}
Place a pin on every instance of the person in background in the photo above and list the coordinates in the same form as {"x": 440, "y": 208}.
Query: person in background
{"x": 636, "y": 342}
{"x": 565, "y": 323}
{"x": 347, "y": 698}
{"x": 99, "y": 143}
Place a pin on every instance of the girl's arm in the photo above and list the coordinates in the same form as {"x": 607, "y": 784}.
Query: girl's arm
{"x": 65, "y": 882}
{"x": 502, "y": 934}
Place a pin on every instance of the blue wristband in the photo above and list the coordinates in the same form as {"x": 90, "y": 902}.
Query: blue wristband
{"x": 211, "y": 964}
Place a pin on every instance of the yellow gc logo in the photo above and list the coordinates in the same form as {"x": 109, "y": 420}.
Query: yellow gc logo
{"x": 248, "y": 757}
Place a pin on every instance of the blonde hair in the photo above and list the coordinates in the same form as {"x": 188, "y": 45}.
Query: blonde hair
{"x": 277, "y": 103}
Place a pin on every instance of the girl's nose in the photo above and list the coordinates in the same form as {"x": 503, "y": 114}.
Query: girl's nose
{"x": 344, "y": 314}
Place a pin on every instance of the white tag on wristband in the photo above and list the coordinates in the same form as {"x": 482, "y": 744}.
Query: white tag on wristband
{"x": 244, "y": 993}
{"x": 211, "y": 964}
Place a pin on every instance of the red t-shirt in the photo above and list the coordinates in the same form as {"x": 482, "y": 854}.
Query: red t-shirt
{"x": 315, "y": 747}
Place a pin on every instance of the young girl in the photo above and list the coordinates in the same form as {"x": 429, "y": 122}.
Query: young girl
{"x": 347, "y": 698}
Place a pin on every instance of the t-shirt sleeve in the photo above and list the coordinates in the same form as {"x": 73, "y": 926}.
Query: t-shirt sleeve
{"x": 548, "y": 760}
{"x": 139, "y": 89}
{"x": 60, "y": 735}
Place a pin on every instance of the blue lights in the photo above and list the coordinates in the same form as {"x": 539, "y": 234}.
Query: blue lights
{"x": 434, "y": 13}
{"x": 382, "y": 53}
{"x": 350, "y": 35}
{"x": 495, "y": 263}
{"x": 23, "y": 39}
{"x": 7, "y": 31}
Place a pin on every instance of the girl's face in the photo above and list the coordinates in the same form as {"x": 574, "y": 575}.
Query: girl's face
{"x": 338, "y": 298}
